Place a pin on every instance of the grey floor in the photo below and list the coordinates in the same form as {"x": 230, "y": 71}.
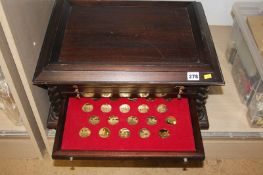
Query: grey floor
{"x": 47, "y": 166}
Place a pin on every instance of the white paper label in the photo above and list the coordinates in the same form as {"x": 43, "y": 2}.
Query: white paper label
{"x": 193, "y": 76}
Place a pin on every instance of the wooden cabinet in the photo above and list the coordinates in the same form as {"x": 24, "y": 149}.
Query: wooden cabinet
{"x": 140, "y": 49}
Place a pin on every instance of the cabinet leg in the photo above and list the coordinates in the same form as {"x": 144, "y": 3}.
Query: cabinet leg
{"x": 202, "y": 95}
{"x": 56, "y": 100}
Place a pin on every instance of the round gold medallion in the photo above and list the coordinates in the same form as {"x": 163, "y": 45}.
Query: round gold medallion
{"x": 94, "y": 120}
{"x": 84, "y": 132}
{"x": 105, "y": 108}
{"x": 104, "y": 132}
{"x": 171, "y": 120}
{"x": 87, "y": 94}
{"x": 87, "y": 107}
{"x": 162, "y": 108}
{"x": 124, "y": 133}
{"x": 151, "y": 120}
{"x": 144, "y": 133}
{"x": 125, "y": 108}
{"x": 164, "y": 133}
{"x": 143, "y": 108}
{"x": 132, "y": 120}
{"x": 125, "y": 94}
{"x": 106, "y": 94}
{"x": 143, "y": 94}
{"x": 113, "y": 120}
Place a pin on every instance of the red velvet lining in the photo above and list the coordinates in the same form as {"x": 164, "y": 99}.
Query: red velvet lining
{"x": 181, "y": 135}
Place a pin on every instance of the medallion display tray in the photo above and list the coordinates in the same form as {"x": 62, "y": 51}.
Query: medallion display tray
{"x": 131, "y": 53}
{"x": 138, "y": 127}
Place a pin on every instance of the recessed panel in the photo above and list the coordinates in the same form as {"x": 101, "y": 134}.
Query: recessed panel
{"x": 129, "y": 34}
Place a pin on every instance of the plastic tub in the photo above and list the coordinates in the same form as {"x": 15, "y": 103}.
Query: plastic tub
{"x": 247, "y": 62}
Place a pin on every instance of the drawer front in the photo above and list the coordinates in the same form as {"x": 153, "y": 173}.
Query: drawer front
{"x": 174, "y": 133}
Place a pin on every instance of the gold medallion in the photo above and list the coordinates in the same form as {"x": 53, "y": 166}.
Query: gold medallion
{"x": 84, "y": 132}
{"x": 143, "y": 94}
{"x": 125, "y": 94}
{"x": 132, "y": 120}
{"x": 124, "y": 133}
{"x": 105, "y": 108}
{"x": 151, "y": 120}
{"x": 113, "y": 120}
{"x": 125, "y": 108}
{"x": 161, "y": 108}
{"x": 106, "y": 94}
{"x": 87, "y": 107}
{"x": 94, "y": 120}
{"x": 87, "y": 94}
{"x": 104, "y": 132}
{"x": 164, "y": 133}
{"x": 171, "y": 120}
{"x": 143, "y": 108}
{"x": 144, "y": 133}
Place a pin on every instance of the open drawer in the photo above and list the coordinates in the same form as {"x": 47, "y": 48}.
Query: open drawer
{"x": 128, "y": 128}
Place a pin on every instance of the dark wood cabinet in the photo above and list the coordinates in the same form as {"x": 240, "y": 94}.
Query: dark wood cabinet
{"x": 127, "y": 49}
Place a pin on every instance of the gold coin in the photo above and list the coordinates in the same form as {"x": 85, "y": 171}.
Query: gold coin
{"x": 104, "y": 132}
{"x": 94, "y": 120}
{"x": 105, "y": 108}
{"x": 162, "y": 108}
{"x": 132, "y": 120}
{"x": 144, "y": 133}
{"x": 143, "y": 108}
{"x": 125, "y": 108}
{"x": 125, "y": 94}
{"x": 171, "y": 120}
{"x": 143, "y": 94}
{"x": 84, "y": 132}
{"x": 113, "y": 120}
{"x": 87, "y": 94}
{"x": 124, "y": 133}
{"x": 106, "y": 94}
{"x": 87, "y": 107}
{"x": 164, "y": 133}
{"x": 151, "y": 120}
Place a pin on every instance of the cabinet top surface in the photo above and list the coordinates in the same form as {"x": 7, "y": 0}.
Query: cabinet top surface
{"x": 132, "y": 36}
